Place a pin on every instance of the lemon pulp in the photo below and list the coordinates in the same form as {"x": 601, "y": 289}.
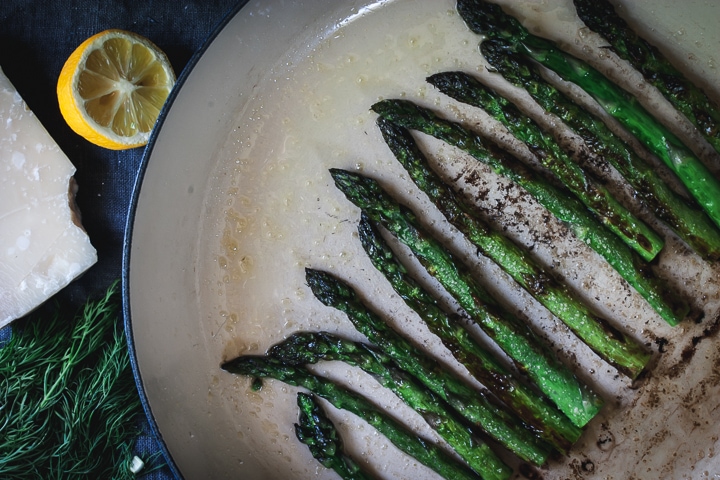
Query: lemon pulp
{"x": 113, "y": 87}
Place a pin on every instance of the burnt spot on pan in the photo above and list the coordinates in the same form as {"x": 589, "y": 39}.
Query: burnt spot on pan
{"x": 529, "y": 472}
{"x": 689, "y": 351}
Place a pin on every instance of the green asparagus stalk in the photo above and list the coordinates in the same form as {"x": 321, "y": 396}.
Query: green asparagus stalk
{"x": 534, "y": 409}
{"x": 567, "y": 209}
{"x": 471, "y": 403}
{"x": 684, "y": 217}
{"x": 310, "y": 347}
{"x": 608, "y": 342}
{"x": 317, "y": 431}
{"x": 691, "y": 101}
{"x": 633, "y": 231}
{"x": 410, "y": 443}
{"x": 489, "y": 20}
{"x": 514, "y": 337}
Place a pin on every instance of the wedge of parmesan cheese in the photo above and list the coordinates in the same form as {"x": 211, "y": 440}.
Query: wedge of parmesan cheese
{"x": 43, "y": 247}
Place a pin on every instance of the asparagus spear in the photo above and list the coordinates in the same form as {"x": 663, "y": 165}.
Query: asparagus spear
{"x": 489, "y": 20}
{"x": 514, "y": 337}
{"x": 684, "y": 217}
{"x": 566, "y": 209}
{"x": 473, "y": 404}
{"x": 551, "y": 424}
{"x": 608, "y": 342}
{"x": 317, "y": 431}
{"x": 310, "y": 347}
{"x": 425, "y": 452}
{"x": 599, "y": 15}
{"x": 633, "y": 231}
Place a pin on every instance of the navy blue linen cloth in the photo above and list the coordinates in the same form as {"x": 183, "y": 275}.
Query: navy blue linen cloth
{"x": 36, "y": 37}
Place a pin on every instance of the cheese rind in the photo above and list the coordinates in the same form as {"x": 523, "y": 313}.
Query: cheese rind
{"x": 43, "y": 247}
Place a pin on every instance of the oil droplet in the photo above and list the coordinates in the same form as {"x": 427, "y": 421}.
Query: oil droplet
{"x": 244, "y": 200}
{"x": 230, "y": 244}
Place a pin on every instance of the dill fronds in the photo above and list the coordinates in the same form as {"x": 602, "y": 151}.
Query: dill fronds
{"x": 69, "y": 407}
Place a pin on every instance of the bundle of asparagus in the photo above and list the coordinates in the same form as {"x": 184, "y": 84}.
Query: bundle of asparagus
{"x": 541, "y": 407}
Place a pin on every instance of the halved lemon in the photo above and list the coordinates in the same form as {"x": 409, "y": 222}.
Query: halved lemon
{"x": 112, "y": 88}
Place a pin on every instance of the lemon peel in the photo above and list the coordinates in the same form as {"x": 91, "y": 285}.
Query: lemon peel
{"x": 112, "y": 88}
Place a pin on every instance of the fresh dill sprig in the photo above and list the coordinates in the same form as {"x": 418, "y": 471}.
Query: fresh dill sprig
{"x": 69, "y": 407}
